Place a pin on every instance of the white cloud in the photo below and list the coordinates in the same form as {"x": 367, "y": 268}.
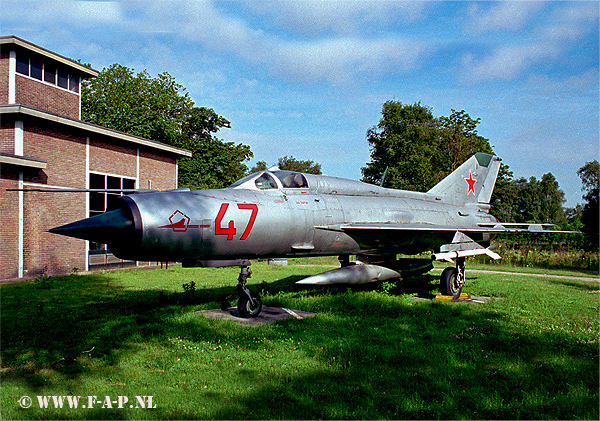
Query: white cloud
{"x": 561, "y": 144}
{"x": 571, "y": 23}
{"x": 341, "y": 60}
{"x": 79, "y": 13}
{"x": 335, "y": 55}
{"x": 546, "y": 41}
{"x": 510, "y": 15}
{"x": 585, "y": 82}
{"x": 337, "y": 59}
{"x": 348, "y": 16}
{"x": 93, "y": 12}
{"x": 507, "y": 62}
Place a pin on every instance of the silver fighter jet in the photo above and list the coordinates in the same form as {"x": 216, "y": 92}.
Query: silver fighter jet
{"x": 277, "y": 213}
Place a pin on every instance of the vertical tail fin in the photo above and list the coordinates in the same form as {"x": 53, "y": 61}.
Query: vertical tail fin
{"x": 472, "y": 182}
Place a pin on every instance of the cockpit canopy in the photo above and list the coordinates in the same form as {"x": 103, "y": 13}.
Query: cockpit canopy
{"x": 276, "y": 179}
{"x": 266, "y": 180}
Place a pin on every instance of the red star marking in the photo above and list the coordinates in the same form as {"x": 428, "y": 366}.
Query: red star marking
{"x": 471, "y": 182}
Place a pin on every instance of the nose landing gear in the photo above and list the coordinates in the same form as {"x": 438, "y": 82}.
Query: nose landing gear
{"x": 249, "y": 303}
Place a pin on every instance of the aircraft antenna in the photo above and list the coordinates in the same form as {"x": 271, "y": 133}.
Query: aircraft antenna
{"x": 383, "y": 177}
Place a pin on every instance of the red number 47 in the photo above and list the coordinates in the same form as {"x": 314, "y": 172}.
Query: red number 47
{"x": 230, "y": 230}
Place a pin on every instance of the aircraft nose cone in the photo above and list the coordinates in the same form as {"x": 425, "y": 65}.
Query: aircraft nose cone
{"x": 101, "y": 228}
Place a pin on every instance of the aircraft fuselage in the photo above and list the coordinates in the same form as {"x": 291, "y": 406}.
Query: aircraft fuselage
{"x": 231, "y": 223}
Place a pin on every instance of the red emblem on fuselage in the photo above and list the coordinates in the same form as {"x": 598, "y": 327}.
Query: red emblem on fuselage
{"x": 179, "y": 222}
{"x": 471, "y": 182}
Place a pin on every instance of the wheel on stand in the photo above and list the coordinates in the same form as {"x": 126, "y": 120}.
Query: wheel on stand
{"x": 450, "y": 283}
{"x": 249, "y": 307}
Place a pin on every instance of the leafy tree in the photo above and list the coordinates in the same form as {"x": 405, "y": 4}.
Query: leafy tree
{"x": 200, "y": 125}
{"x": 573, "y": 215}
{"x": 552, "y": 198}
{"x": 290, "y": 164}
{"x": 259, "y": 166}
{"x": 404, "y": 144}
{"x": 504, "y": 197}
{"x": 136, "y": 104}
{"x": 417, "y": 149}
{"x": 215, "y": 164}
{"x": 590, "y": 176}
{"x": 459, "y": 138}
{"x": 528, "y": 201}
{"x": 161, "y": 109}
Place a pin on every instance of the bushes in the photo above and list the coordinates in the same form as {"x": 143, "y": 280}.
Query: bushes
{"x": 560, "y": 255}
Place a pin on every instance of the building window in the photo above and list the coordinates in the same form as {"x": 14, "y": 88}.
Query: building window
{"x": 23, "y": 65}
{"x": 97, "y": 200}
{"x": 63, "y": 79}
{"x": 73, "y": 83}
{"x": 50, "y": 74}
{"x": 101, "y": 202}
{"x": 36, "y": 68}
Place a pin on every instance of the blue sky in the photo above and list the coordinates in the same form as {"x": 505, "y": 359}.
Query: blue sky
{"x": 308, "y": 78}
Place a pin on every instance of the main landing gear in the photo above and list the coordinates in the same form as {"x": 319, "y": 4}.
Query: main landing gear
{"x": 453, "y": 279}
{"x": 249, "y": 304}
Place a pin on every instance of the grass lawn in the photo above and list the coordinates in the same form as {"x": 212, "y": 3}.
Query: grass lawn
{"x": 531, "y": 352}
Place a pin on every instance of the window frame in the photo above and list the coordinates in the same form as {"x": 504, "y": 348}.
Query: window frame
{"x": 61, "y": 77}
{"x": 103, "y": 197}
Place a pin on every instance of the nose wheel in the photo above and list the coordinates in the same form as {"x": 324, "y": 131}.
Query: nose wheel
{"x": 249, "y": 303}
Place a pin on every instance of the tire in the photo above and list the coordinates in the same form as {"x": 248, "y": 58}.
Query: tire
{"x": 245, "y": 307}
{"x": 448, "y": 284}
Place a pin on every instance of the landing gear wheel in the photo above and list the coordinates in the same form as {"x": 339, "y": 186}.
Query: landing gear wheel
{"x": 449, "y": 283}
{"x": 249, "y": 303}
{"x": 249, "y": 307}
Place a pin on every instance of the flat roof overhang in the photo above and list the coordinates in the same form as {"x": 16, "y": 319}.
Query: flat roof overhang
{"x": 92, "y": 128}
{"x": 22, "y": 161}
{"x": 13, "y": 40}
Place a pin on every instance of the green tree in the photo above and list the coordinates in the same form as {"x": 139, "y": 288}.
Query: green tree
{"x": 215, "y": 164}
{"x": 590, "y": 176}
{"x": 200, "y": 124}
{"x": 160, "y": 109}
{"x": 405, "y": 143}
{"x": 504, "y": 197}
{"x": 290, "y": 163}
{"x": 140, "y": 105}
{"x": 552, "y": 199}
{"x": 259, "y": 166}
{"x": 528, "y": 201}
{"x": 459, "y": 138}
{"x": 417, "y": 149}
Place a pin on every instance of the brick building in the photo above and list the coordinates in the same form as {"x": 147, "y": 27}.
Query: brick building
{"x": 43, "y": 143}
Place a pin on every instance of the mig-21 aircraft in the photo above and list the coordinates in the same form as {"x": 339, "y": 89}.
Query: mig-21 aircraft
{"x": 280, "y": 214}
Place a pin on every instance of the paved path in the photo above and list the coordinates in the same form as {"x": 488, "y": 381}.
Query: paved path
{"x": 539, "y": 275}
{"x": 267, "y": 315}
{"x": 499, "y": 272}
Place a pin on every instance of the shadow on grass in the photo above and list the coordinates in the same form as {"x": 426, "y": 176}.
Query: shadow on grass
{"x": 581, "y": 286}
{"x": 390, "y": 361}
{"x": 380, "y": 356}
{"x": 48, "y": 328}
